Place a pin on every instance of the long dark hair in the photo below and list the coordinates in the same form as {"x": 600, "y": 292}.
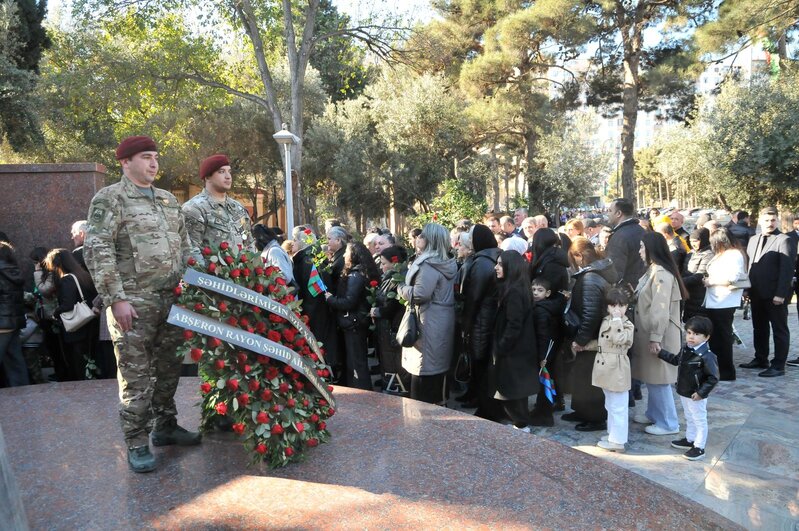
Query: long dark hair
{"x": 61, "y": 263}
{"x": 515, "y": 275}
{"x": 359, "y": 255}
{"x": 657, "y": 252}
{"x": 543, "y": 239}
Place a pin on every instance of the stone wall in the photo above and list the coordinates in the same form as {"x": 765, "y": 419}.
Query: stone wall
{"x": 41, "y": 201}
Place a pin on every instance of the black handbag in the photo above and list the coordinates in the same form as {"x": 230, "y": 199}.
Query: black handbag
{"x": 350, "y": 321}
{"x": 409, "y": 329}
{"x": 571, "y": 321}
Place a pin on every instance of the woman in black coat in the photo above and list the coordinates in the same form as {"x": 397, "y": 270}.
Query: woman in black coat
{"x": 479, "y": 295}
{"x": 387, "y": 313}
{"x": 12, "y": 317}
{"x": 70, "y": 280}
{"x": 695, "y": 272}
{"x": 351, "y": 308}
{"x": 592, "y": 280}
{"x": 550, "y": 261}
{"x": 514, "y": 357}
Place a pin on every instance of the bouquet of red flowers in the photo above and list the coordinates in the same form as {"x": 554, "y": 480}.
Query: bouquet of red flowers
{"x": 277, "y": 407}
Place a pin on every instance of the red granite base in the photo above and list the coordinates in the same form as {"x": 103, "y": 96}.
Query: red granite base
{"x": 392, "y": 463}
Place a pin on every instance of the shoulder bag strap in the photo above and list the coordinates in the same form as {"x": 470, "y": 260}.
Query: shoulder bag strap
{"x": 82, "y": 298}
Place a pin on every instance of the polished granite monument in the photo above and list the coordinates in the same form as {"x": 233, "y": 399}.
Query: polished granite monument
{"x": 392, "y": 463}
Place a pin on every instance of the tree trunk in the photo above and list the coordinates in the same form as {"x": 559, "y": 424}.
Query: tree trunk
{"x": 495, "y": 181}
{"x": 534, "y": 184}
{"x": 631, "y": 30}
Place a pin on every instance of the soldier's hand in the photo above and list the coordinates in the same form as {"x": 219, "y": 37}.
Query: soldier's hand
{"x": 124, "y": 314}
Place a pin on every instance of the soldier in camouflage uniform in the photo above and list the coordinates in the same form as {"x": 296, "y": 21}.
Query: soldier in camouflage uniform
{"x": 136, "y": 249}
{"x": 211, "y": 216}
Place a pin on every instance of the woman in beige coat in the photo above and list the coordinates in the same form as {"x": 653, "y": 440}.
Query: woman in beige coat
{"x": 657, "y": 327}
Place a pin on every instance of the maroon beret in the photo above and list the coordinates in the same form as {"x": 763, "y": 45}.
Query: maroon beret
{"x": 213, "y": 163}
{"x": 135, "y": 144}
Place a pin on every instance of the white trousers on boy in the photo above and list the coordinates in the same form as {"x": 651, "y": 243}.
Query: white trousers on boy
{"x": 616, "y": 404}
{"x": 695, "y": 421}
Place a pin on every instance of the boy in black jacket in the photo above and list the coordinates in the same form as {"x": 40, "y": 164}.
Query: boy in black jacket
{"x": 547, "y": 314}
{"x": 697, "y": 376}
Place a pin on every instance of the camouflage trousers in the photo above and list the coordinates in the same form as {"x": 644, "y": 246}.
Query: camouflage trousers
{"x": 147, "y": 368}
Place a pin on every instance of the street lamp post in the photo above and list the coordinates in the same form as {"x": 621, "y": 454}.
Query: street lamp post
{"x": 287, "y": 139}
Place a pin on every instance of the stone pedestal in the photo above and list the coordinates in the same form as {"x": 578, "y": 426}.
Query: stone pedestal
{"x": 43, "y": 200}
{"x": 12, "y": 513}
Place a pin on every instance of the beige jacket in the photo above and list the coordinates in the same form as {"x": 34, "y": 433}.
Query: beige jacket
{"x": 657, "y": 318}
{"x": 612, "y": 365}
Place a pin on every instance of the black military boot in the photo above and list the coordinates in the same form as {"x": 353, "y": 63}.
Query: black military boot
{"x": 141, "y": 459}
{"x": 170, "y": 433}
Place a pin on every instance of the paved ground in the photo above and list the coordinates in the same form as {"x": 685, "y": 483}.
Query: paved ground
{"x": 751, "y": 470}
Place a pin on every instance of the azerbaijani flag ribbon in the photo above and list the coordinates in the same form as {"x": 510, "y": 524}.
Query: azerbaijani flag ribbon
{"x": 549, "y": 385}
{"x": 315, "y": 284}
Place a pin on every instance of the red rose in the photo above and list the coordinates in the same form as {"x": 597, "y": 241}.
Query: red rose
{"x": 373, "y": 283}
{"x": 247, "y": 369}
{"x": 322, "y": 402}
{"x": 191, "y": 261}
{"x": 313, "y": 442}
{"x": 206, "y": 251}
{"x": 289, "y": 452}
{"x": 271, "y": 270}
{"x": 308, "y": 231}
{"x": 260, "y": 327}
{"x": 280, "y": 281}
{"x": 253, "y": 385}
{"x": 277, "y": 429}
{"x": 244, "y": 399}
{"x": 291, "y": 402}
{"x": 330, "y": 388}
{"x": 284, "y": 387}
{"x": 256, "y": 309}
{"x": 331, "y": 412}
{"x": 321, "y": 425}
{"x": 198, "y": 307}
{"x": 246, "y": 271}
{"x": 196, "y": 354}
{"x": 262, "y": 417}
{"x": 219, "y": 365}
{"x": 205, "y": 387}
{"x": 266, "y": 396}
{"x": 259, "y": 289}
{"x": 188, "y": 334}
{"x": 177, "y": 291}
{"x": 314, "y": 418}
{"x": 271, "y": 373}
{"x": 238, "y": 428}
{"x": 235, "y": 273}
{"x": 243, "y": 258}
{"x": 273, "y": 336}
{"x": 232, "y": 321}
{"x": 241, "y": 357}
{"x": 276, "y": 408}
{"x": 214, "y": 342}
{"x": 263, "y": 360}
{"x": 395, "y": 259}
{"x": 211, "y": 267}
{"x": 314, "y": 356}
{"x": 287, "y": 369}
{"x": 221, "y": 408}
{"x": 259, "y": 271}
{"x": 289, "y": 334}
{"x": 305, "y": 401}
{"x": 244, "y": 322}
{"x": 295, "y": 376}
{"x": 224, "y": 246}
{"x": 298, "y": 385}
{"x": 223, "y": 306}
{"x": 261, "y": 448}
{"x": 320, "y": 373}
{"x": 300, "y": 427}
{"x": 228, "y": 260}
{"x": 233, "y": 384}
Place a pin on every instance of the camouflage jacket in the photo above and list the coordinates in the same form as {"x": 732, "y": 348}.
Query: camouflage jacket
{"x": 210, "y": 222}
{"x": 135, "y": 243}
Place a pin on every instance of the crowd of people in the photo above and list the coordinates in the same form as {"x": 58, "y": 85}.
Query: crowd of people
{"x": 602, "y": 305}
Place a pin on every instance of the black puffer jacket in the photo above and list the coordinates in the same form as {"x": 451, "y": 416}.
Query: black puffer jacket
{"x": 12, "y": 302}
{"x": 336, "y": 268}
{"x": 479, "y": 292}
{"x": 588, "y": 297}
{"x": 547, "y": 316}
{"x": 552, "y": 266}
{"x": 692, "y": 277}
{"x": 698, "y": 370}
{"x": 351, "y": 298}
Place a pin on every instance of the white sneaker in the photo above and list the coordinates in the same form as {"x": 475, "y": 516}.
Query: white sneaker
{"x": 654, "y": 429}
{"x": 526, "y": 429}
{"x": 604, "y": 438}
{"x": 611, "y": 446}
{"x": 640, "y": 418}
